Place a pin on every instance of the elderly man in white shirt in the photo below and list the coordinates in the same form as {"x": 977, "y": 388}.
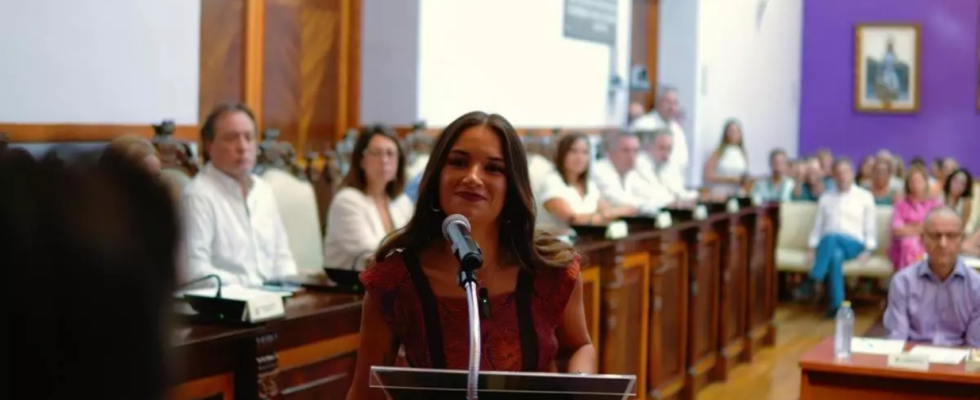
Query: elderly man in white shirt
{"x": 233, "y": 227}
{"x": 655, "y": 168}
{"x": 665, "y": 115}
{"x": 844, "y": 229}
{"x": 618, "y": 181}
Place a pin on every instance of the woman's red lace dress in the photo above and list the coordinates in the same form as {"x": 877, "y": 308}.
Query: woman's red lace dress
{"x": 391, "y": 283}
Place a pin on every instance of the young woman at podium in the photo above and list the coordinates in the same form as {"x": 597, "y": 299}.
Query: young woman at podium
{"x": 531, "y": 292}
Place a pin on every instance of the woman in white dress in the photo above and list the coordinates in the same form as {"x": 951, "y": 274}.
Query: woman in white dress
{"x": 371, "y": 202}
{"x": 727, "y": 169}
{"x": 569, "y": 196}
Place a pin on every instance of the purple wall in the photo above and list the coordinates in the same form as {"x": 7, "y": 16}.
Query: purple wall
{"x": 947, "y": 123}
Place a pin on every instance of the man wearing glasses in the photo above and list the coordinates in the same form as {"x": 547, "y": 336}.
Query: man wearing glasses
{"x": 937, "y": 300}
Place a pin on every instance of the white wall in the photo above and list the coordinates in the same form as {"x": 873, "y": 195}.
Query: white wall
{"x": 751, "y": 70}
{"x": 728, "y": 60}
{"x": 389, "y": 62}
{"x": 99, "y": 61}
{"x": 510, "y": 57}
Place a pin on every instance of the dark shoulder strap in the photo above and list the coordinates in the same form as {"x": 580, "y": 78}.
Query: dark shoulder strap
{"x": 525, "y": 322}
{"x": 430, "y": 311}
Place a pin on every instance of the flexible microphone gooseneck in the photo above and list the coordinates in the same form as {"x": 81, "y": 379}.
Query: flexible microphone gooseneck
{"x": 456, "y": 229}
{"x": 217, "y": 278}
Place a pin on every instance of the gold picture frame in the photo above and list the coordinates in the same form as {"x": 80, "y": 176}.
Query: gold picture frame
{"x": 887, "y": 61}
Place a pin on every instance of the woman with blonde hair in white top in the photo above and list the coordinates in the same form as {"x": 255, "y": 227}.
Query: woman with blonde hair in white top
{"x": 371, "y": 203}
{"x": 727, "y": 169}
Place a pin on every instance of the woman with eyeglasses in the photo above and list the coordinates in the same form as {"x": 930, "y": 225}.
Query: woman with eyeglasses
{"x": 371, "y": 203}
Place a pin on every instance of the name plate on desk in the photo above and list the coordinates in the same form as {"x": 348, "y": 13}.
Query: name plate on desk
{"x": 663, "y": 220}
{"x": 732, "y": 205}
{"x": 973, "y": 361}
{"x": 617, "y": 230}
{"x": 916, "y": 362}
{"x": 700, "y": 212}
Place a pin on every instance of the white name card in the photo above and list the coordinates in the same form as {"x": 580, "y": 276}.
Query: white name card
{"x": 617, "y": 230}
{"x": 663, "y": 220}
{"x": 264, "y": 308}
{"x": 700, "y": 212}
{"x": 732, "y": 205}
{"x": 916, "y": 362}
{"x": 973, "y": 361}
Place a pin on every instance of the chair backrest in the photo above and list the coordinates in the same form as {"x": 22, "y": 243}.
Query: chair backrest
{"x": 795, "y": 223}
{"x": 298, "y": 208}
{"x": 883, "y": 224}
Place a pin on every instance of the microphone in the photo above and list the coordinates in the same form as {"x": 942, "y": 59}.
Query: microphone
{"x": 217, "y": 278}
{"x": 456, "y": 229}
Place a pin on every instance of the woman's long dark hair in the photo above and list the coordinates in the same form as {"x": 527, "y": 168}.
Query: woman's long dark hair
{"x": 564, "y": 147}
{"x": 967, "y": 190}
{"x": 355, "y": 175}
{"x": 520, "y": 243}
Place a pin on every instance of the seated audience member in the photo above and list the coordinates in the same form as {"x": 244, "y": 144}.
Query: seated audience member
{"x": 665, "y": 116}
{"x": 825, "y": 162}
{"x": 844, "y": 229}
{"x": 958, "y": 192}
{"x": 810, "y": 184}
{"x": 727, "y": 169}
{"x": 234, "y": 229}
{"x": 655, "y": 167}
{"x": 539, "y": 166}
{"x": 936, "y": 300}
{"x": 570, "y": 196}
{"x": 881, "y": 182}
{"x": 937, "y": 174}
{"x": 865, "y": 171}
{"x": 100, "y": 240}
{"x": 779, "y": 185}
{"x": 617, "y": 179}
{"x": 950, "y": 165}
{"x": 370, "y": 204}
{"x": 898, "y": 169}
{"x": 137, "y": 149}
{"x": 907, "y": 218}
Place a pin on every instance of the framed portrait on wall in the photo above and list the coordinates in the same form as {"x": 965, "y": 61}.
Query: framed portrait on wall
{"x": 886, "y": 67}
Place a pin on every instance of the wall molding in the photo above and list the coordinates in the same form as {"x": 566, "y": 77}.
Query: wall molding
{"x": 87, "y": 132}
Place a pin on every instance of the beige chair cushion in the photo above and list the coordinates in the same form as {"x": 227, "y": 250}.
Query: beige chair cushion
{"x": 297, "y": 206}
{"x": 795, "y": 223}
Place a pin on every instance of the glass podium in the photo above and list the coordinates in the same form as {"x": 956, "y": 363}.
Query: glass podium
{"x": 431, "y": 384}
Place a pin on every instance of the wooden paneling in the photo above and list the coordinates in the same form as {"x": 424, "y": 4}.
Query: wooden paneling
{"x": 643, "y": 45}
{"x": 216, "y": 387}
{"x": 311, "y": 70}
{"x": 254, "y": 52}
{"x": 668, "y": 318}
{"x": 732, "y": 309}
{"x": 702, "y": 318}
{"x": 625, "y": 309}
{"x": 222, "y": 71}
{"x": 85, "y": 133}
{"x": 591, "y": 293}
{"x": 758, "y": 287}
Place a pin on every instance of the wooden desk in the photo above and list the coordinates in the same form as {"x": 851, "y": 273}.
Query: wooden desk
{"x": 867, "y": 377}
{"x": 678, "y": 307}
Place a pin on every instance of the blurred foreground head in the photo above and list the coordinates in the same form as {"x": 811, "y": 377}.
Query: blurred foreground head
{"x": 88, "y": 257}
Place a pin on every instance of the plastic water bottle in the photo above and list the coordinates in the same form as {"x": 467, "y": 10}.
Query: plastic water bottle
{"x": 844, "y": 332}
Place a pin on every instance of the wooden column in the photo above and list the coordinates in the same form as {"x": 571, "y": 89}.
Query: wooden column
{"x": 758, "y": 307}
{"x": 668, "y": 335}
{"x": 702, "y": 316}
{"x": 625, "y": 313}
{"x": 732, "y": 307}
{"x": 254, "y": 53}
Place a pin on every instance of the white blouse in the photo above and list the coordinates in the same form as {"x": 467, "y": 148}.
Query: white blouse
{"x": 355, "y": 229}
{"x": 731, "y": 164}
{"x": 556, "y": 188}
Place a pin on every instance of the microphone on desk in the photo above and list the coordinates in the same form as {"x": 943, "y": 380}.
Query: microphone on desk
{"x": 217, "y": 279}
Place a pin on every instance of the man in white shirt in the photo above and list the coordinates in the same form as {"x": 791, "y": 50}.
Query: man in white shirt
{"x": 234, "y": 229}
{"x": 618, "y": 181}
{"x": 844, "y": 229}
{"x": 665, "y": 115}
{"x": 657, "y": 170}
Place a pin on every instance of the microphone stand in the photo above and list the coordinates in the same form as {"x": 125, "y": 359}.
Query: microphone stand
{"x": 467, "y": 280}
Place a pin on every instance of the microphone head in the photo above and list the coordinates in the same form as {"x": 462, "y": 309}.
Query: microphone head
{"x": 454, "y": 219}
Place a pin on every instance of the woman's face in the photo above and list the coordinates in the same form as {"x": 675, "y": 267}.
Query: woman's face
{"x": 958, "y": 185}
{"x": 867, "y": 167}
{"x": 733, "y": 134}
{"x": 473, "y": 181}
{"x": 882, "y": 173}
{"x": 577, "y": 159}
{"x": 917, "y": 185}
{"x": 380, "y": 162}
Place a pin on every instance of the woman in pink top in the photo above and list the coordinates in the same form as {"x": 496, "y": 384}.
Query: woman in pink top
{"x": 907, "y": 218}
